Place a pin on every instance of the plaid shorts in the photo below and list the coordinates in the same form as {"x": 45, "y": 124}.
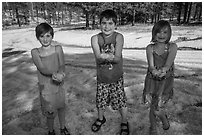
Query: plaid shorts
{"x": 111, "y": 94}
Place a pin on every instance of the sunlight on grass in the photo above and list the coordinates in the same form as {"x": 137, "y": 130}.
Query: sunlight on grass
{"x": 25, "y": 101}
{"x": 11, "y": 70}
{"x": 178, "y": 126}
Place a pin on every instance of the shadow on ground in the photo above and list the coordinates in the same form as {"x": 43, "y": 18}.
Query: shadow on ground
{"x": 21, "y": 112}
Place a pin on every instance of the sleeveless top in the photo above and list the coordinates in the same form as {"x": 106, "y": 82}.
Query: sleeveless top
{"x": 162, "y": 87}
{"x": 108, "y": 72}
{"x": 160, "y": 61}
{"x": 46, "y": 84}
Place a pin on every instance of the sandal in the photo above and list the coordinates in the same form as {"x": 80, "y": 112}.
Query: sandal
{"x": 124, "y": 131}
{"x": 64, "y": 131}
{"x": 51, "y": 132}
{"x": 165, "y": 123}
{"x": 97, "y": 124}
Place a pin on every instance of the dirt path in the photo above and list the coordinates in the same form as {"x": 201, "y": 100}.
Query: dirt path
{"x": 21, "y": 109}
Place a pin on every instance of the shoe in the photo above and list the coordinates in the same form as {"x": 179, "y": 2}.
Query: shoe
{"x": 124, "y": 129}
{"x": 97, "y": 124}
{"x": 64, "y": 131}
{"x": 51, "y": 132}
{"x": 165, "y": 123}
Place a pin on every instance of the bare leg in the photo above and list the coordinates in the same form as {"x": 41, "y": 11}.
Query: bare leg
{"x": 124, "y": 123}
{"x": 50, "y": 124}
{"x": 123, "y": 113}
{"x": 61, "y": 116}
{"x": 152, "y": 118}
{"x": 152, "y": 115}
{"x": 100, "y": 113}
{"x": 163, "y": 117}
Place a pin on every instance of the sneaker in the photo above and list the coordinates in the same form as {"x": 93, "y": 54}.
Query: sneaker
{"x": 51, "y": 132}
{"x": 64, "y": 131}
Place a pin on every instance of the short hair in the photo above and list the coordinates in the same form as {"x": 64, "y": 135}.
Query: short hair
{"x": 43, "y": 28}
{"x": 158, "y": 27}
{"x": 108, "y": 14}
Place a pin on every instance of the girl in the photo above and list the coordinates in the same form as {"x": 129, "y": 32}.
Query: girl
{"x": 158, "y": 88}
{"x": 49, "y": 61}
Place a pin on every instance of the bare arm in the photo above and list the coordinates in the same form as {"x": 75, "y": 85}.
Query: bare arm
{"x": 61, "y": 59}
{"x": 171, "y": 56}
{"x": 150, "y": 59}
{"x": 39, "y": 64}
{"x": 119, "y": 47}
{"x": 96, "y": 50}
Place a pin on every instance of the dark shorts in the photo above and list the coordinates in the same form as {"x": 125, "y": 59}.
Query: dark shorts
{"x": 111, "y": 94}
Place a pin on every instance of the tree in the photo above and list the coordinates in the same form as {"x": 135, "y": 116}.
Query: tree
{"x": 189, "y": 12}
{"x": 185, "y": 11}
{"x": 179, "y": 7}
{"x": 128, "y": 12}
{"x": 31, "y": 11}
{"x": 198, "y": 11}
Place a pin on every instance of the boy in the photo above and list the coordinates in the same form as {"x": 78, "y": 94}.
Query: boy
{"x": 107, "y": 47}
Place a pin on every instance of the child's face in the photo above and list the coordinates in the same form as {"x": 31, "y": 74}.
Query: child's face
{"x": 107, "y": 26}
{"x": 45, "y": 39}
{"x": 163, "y": 35}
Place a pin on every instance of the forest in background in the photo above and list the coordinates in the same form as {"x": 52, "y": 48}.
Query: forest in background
{"x": 86, "y": 13}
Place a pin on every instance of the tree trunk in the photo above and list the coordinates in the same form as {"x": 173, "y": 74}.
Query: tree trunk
{"x": 93, "y": 22}
{"x": 200, "y": 13}
{"x": 179, "y": 12}
{"x": 133, "y": 17}
{"x": 189, "y": 12}
{"x": 152, "y": 19}
{"x": 17, "y": 16}
{"x": 70, "y": 16}
{"x": 196, "y": 12}
{"x": 58, "y": 10}
{"x": 31, "y": 12}
{"x": 63, "y": 16}
{"x": 87, "y": 19}
{"x": 37, "y": 14}
{"x": 45, "y": 10}
{"x": 185, "y": 12}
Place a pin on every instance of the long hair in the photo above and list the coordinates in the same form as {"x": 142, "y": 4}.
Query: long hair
{"x": 158, "y": 27}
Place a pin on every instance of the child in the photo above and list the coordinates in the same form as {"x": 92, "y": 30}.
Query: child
{"x": 107, "y": 47}
{"x": 50, "y": 64}
{"x": 158, "y": 88}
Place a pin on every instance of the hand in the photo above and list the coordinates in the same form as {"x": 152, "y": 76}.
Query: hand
{"x": 156, "y": 72}
{"x": 162, "y": 74}
{"x": 110, "y": 57}
{"x": 106, "y": 56}
{"x": 164, "y": 69}
{"x": 58, "y": 77}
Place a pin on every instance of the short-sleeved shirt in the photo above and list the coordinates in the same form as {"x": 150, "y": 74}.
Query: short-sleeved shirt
{"x": 104, "y": 73}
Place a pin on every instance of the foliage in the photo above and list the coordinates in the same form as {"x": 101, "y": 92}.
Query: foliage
{"x": 62, "y": 13}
